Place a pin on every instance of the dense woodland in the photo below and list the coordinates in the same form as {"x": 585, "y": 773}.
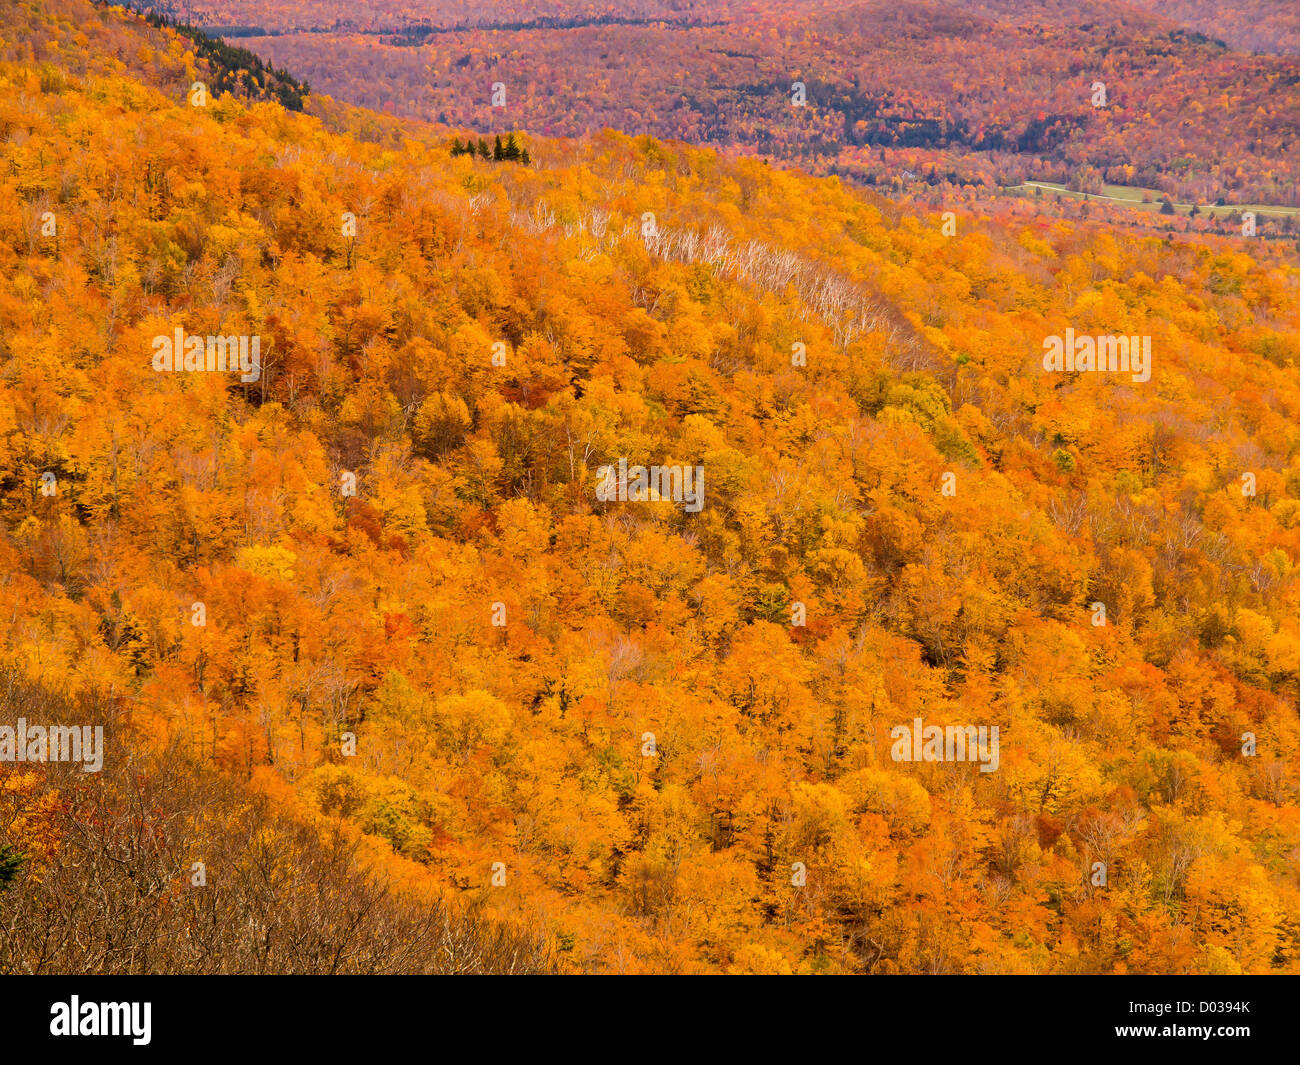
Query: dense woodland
{"x": 234, "y": 69}
{"x": 990, "y": 92}
{"x": 1269, "y": 26}
{"x": 471, "y": 349}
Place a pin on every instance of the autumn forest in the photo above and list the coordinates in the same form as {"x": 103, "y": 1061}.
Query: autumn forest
{"x": 499, "y": 506}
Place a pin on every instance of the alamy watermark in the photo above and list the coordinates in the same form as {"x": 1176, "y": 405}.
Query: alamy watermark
{"x": 953, "y": 743}
{"x": 641, "y": 484}
{"x": 77, "y": 1018}
{"x": 53, "y": 743}
{"x": 196, "y": 354}
{"x": 1101, "y": 354}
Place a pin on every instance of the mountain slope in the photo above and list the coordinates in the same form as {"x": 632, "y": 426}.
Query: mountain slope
{"x": 989, "y": 92}
{"x": 1252, "y": 25}
{"x": 661, "y": 736}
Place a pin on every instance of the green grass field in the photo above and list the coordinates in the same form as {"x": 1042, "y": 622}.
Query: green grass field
{"x": 1150, "y": 200}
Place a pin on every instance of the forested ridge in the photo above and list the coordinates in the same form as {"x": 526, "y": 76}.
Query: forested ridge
{"x": 429, "y": 656}
{"x": 989, "y": 93}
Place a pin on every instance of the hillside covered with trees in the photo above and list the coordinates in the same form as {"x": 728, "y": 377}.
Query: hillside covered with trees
{"x": 360, "y": 626}
{"x": 991, "y": 93}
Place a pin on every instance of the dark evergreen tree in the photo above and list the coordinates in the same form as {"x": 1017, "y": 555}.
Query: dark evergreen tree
{"x": 11, "y": 862}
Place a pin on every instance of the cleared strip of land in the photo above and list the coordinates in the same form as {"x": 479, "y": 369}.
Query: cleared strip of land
{"x": 1153, "y": 199}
